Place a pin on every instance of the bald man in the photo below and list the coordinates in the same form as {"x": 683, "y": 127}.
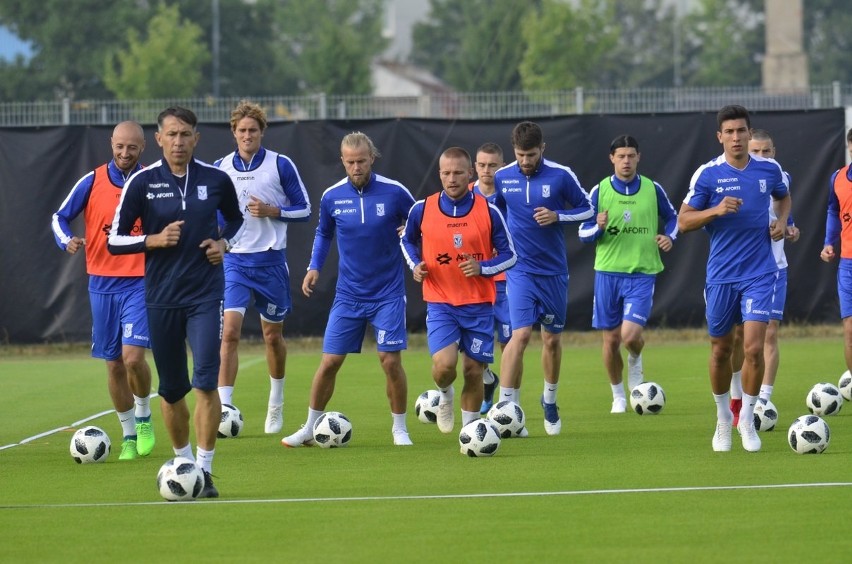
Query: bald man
{"x": 116, "y": 287}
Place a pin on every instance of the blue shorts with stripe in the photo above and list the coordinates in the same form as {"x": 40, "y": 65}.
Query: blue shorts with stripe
{"x": 537, "y": 298}
{"x": 270, "y": 286}
{"x": 622, "y": 297}
{"x": 171, "y": 329}
{"x": 119, "y": 319}
{"x": 471, "y": 327}
{"x": 779, "y": 295}
{"x": 347, "y": 325}
{"x": 736, "y": 302}
{"x": 844, "y": 290}
{"x": 502, "y": 321}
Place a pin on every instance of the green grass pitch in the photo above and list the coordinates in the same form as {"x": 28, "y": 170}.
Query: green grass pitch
{"x": 609, "y": 488}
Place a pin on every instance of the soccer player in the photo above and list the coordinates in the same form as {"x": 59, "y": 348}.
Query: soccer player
{"x": 489, "y": 158}
{"x": 627, "y": 260}
{"x": 366, "y": 211}
{"x": 838, "y": 233}
{"x": 116, "y": 288}
{"x": 761, "y": 145}
{"x": 271, "y": 195}
{"x": 177, "y": 198}
{"x": 729, "y": 197}
{"x": 455, "y": 242}
{"x": 539, "y": 198}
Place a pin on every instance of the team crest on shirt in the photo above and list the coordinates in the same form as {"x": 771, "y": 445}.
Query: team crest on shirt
{"x": 748, "y": 305}
{"x": 545, "y": 190}
{"x": 128, "y": 330}
{"x": 270, "y": 309}
{"x": 476, "y": 346}
{"x": 762, "y": 185}
{"x": 202, "y": 192}
{"x": 380, "y": 336}
{"x": 547, "y": 319}
{"x": 380, "y": 209}
{"x": 626, "y": 216}
{"x": 457, "y": 240}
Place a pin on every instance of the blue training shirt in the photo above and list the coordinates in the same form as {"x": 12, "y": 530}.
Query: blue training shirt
{"x": 541, "y": 249}
{"x": 366, "y": 222}
{"x": 740, "y": 245}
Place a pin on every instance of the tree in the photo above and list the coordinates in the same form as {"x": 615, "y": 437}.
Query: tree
{"x": 330, "y": 43}
{"x": 569, "y": 45}
{"x": 723, "y": 40}
{"x": 167, "y": 63}
{"x": 827, "y": 40}
{"x": 475, "y": 45}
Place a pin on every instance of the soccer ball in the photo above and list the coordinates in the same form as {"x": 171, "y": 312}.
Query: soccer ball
{"x": 647, "y": 398}
{"x": 426, "y": 406}
{"x": 508, "y": 417}
{"x": 90, "y": 444}
{"x": 845, "y": 386}
{"x": 824, "y": 399}
{"x": 180, "y": 479}
{"x": 332, "y": 429}
{"x": 232, "y": 422}
{"x": 808, "y": 434}
{"x": 765, "y": 415}
{"x": 479, "y": 438}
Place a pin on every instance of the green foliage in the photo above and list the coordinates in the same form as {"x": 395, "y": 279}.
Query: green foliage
{"x": 166, "y": 63}
{"x": 722, "y": 41}
{"x": 475, "y": 46}
{"x": 827, "y": 40}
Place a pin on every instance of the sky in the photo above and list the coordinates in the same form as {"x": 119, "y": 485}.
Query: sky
{"x": 10, "y": 45}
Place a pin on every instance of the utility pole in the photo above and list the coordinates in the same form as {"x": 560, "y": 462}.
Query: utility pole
{"x": 785, "y": 66}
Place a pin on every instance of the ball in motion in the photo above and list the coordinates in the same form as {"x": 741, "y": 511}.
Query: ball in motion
{"x": 332, "y": 429}
{"x": 845, "y": 385}
{"x": 508, "y": 417}
{"x": 231, "y": 424}
{"x": 426, "y": 406}
{"x": 809, "y": 434}
{"x": 647, "y": 398}
{"x": 90, "y": 444}
{"x": 765, "y": 415}
{"x": 479, "y": 438}
{"x": 180, "y": 479}
{"x": 824, "y": 399}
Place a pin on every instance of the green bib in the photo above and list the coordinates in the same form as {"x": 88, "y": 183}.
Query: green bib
{"x": 629, "y": 244}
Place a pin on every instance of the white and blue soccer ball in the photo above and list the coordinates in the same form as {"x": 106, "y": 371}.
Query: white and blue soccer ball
{"x": 845, "y": 385}
{"x": 479, "y": 438}
{"x": 508, "y": 417}
{"x": 231, "y": 424}
{"x": 180, "y": 479}
{"x": 332, "y": 429}
{"x": 809, "y": 434}
{"x": 765, "y": 415}
{"x": 90, "y": 444}
{"x": 426, "y": 406}
{"x": 824, "y": 399}
{"x": 647, "y": 398}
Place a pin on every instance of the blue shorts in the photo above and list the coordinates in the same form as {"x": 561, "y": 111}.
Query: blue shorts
{"x": 201, "y": 326}
{"x": 347, "y": 324}
{"x": 844, "y": 291}
{"x": 779, "y": 295}
{"x": 471, "y": 327}
{"x": 736, "y": 302}
{"x": 502, "y": 321}
{"x": 269, "y": 284}
{"x": 622, "y": 298}
{"x": 117, "y": 320}
{"x": 537, "y": 298}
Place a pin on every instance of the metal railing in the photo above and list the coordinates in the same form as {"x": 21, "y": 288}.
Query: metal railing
{"x": 468, "y": 105}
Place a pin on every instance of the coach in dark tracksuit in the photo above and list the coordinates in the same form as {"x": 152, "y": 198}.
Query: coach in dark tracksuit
{"x": 177, "y": 199}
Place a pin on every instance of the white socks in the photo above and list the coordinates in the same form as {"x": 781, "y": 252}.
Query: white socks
{"x": 737, "y": 385}
{"x": 765, "y": 392}
{"x": 468, "y": 416}
{"x": 723, "y": 408}
{"x": 128, "y": 422}
{"x": 747, "y": 410}
{"x": 204, "y": 458}
{"x": 447, "y": 394}
{"x": 185, "y": 452}
{"x": 226, "y": 394}
{"x": 399, "y": 422}
{"x": 550, "y": 392}
{"x": 143, "y": 406}
{"x": 618, "y": 391}
{"x": 276, "y": 391}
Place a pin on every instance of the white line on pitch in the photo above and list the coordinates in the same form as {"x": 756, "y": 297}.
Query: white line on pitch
{"x": 685, "y": 489}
